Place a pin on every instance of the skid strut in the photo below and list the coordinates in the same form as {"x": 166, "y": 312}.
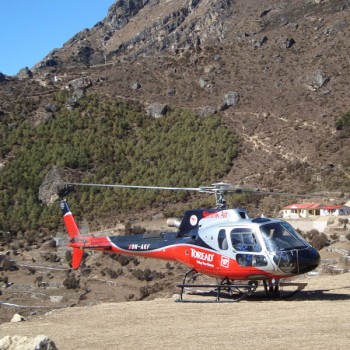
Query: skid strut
{"x": 277, "y": 290}
{"x": 231, "y": 292}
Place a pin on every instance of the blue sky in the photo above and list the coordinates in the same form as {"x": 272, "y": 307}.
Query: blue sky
{"x": 30, "y": 29}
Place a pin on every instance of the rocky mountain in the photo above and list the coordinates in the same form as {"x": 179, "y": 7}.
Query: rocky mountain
{"x": 276, "y": 71}
{"x": 286, "y": 63}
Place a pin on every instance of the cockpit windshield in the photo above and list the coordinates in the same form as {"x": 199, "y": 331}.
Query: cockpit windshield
{"x": 281, "y": 236}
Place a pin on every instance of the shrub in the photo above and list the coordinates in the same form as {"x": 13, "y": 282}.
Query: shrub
{"x": 144, "y": 292}
{"x": 71, "y": 281}
{"x": 343, "y": 122}
{"x": 68, "y": 256}
{"x": 334, "y": 236}
{"x": 317, "y": 239}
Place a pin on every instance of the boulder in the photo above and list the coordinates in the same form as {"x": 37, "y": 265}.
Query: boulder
{"x": 230, "y": 99}
{"x": 80, "y": 83}
{"x": 42, "y": 117}
{"x": 16, "y": 342}
{"x": 206, "y": 111}
{"x": 286, "y": 43}
{"x": 260, "y": 42}
{"x": 71, "y": 103}
{"x": 136, "y": 86}
{"x": 78, "y": 94}
{"x": 157, "y": 110}
{"x": 202, "y": 82}
{"x": 17, "y": 318}
{"x": 51, "y": 107}
{"x": 316, "y": 80}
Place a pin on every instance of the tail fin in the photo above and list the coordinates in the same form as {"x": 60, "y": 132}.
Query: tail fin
{"x": 69, "y": 221}
{"x": 73, "y": 232}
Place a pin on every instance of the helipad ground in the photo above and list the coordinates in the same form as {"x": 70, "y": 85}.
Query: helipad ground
{"x": 318, "y": 319}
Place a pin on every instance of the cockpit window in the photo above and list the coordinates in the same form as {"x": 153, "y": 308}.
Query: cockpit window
{"x": 243, "y": 239}
{"x": 222, "y": 240}
{"x": 281, "y": 236}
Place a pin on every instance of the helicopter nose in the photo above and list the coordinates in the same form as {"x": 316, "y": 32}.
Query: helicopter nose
{"x": 297, "y": 261}
{"x": 308, "y": 260}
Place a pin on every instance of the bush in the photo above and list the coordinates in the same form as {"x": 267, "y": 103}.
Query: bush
{"x": 146, "y": 291}
{"x": 71, "y": 281}
{"x": 7, "y": 264}
{"x": 317, "y": 239}
{"x": 334, "y": 236}
{"x": 147, "y": 274}
{"x": 343, "y": 123}
{"x": 115, "y": 273}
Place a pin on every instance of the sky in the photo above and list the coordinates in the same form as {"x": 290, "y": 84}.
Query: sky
{"x": 30, "y": 29}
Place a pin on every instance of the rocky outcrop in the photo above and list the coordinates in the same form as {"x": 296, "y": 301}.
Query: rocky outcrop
{"x": 172, "y": 31}
{"x": 120, "y": 12}
{"x": 53, "y": 182}
{"x": 2, "y": 77}
{"x": 25, "y": 73}
{"x": 78, "y": 86}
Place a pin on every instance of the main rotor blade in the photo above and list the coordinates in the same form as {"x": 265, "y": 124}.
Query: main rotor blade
{"x": 241, "y": 190}
{"x": 141, "y": 187}
{"x": 217, "y": 188}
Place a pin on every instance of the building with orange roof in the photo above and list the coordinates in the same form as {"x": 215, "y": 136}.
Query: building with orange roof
{"x": 306, "y": 210}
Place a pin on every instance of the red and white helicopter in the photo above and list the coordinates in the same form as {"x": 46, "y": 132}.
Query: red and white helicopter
{"x": 239, "y": 251}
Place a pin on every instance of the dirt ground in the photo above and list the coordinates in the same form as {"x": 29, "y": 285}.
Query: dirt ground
{"x": 318, "y": 318}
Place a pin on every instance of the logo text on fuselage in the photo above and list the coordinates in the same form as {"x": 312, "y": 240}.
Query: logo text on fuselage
{"x": 203, "y": 258}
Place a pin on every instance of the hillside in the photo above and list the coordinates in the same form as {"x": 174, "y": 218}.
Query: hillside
{"x": 287, "y": 64}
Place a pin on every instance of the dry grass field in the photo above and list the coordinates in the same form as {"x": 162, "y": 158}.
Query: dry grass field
{"x": 318, "y": 318}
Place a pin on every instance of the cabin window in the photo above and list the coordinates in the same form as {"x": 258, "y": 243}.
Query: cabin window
{"x": 281, "y": 235}
{"x": 222, "y": 240}
{"x": 243, "y": 239}
{"x": 251, "y": 260}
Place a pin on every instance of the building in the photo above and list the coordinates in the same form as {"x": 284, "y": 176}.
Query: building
{"x": 306, "y": 210}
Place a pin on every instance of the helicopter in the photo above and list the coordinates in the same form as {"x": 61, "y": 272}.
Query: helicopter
{"x": 239, "y": 252}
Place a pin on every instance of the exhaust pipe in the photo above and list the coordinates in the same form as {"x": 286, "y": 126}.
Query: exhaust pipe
{"x": 174, "y": 222}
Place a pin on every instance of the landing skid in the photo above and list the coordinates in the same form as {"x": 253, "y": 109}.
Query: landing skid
{"x": 230, "y": 292}
{"x": 279, "y": 290}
